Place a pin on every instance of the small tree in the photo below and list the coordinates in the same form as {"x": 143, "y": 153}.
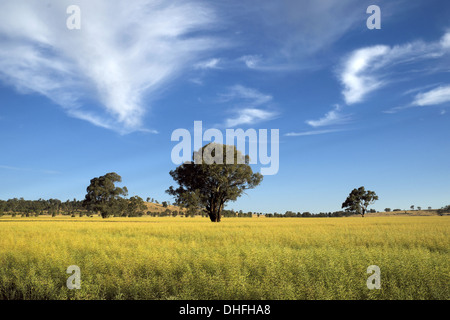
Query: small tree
{"x": 358, "y": 200}
{"x": 103, "y": 196}
{"x": 387, "y": 210}
{"x": 412, "y": 207}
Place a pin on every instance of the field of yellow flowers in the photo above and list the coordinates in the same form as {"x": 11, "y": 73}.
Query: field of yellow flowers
{"x": 238, "y": 258}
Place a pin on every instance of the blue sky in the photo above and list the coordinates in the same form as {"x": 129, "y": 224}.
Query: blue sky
{"x": 354, "y": 107}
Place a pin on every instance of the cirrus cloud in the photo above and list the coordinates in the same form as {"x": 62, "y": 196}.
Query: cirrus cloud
{"x": 332, "y": 117}
{"x": 370, "y": 68}
{"x": 435, "y": 96}
{"x": 114, "y": 66}
{"x": 247, "y": 105}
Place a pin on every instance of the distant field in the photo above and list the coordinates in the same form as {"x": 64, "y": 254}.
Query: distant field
{"x": 239, "y": 258}
{"x": 158, "y": 207}
{"x": 408, "y": 212}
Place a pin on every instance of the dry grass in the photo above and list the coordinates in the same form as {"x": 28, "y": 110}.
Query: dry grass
{"x": 157, "y": 207}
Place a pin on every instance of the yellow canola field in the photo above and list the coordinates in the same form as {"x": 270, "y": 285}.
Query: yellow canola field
{"x": 238, "y": 258}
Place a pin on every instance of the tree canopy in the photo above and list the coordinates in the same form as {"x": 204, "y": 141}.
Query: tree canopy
{"x": 359, "y": 199}
{"x": 211, "y": 180}
{"x": 103, "y": 196}
{"x": 136, "y": 206}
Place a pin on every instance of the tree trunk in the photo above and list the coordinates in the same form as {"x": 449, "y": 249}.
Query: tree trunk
{"x": 218, "y": 216}
{"x": 214, "y": 216}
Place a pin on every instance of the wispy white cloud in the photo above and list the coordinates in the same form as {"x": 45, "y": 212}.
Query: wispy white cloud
{"x": 251, "y": 61}
{"x": 248, "y": 95}
{"x": 257, "y": 63}
{"x": 247, "y": 104}
{"x": 368, "y": 69}
{"x": 196, "y": 81}
{"x": 445, "y": 41}
{"x": 297, "y": 33}
{"x": 395, "y": 109}
{"x": 356, "y": 82}
{"x": 333, "y": 117}
{"x": 249, "y": 116}
{"x": 420, "y": 89}
{"x": 302, "y": 28}
{"x": 208, "y": 64}
{"x": 120, "y": 59}
{"x": 311, "y": 133}
{"x": 435, "y": 96}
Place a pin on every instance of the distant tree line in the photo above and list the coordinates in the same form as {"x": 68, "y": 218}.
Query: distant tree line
{"x": 39, "y": 207}
{"x": 103, "y": 197}
{"x": 443, "y": 210}
{"x": 306, "y": 214}
{"x": 132, "y": 207}
{"x": 29, "y": 208}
